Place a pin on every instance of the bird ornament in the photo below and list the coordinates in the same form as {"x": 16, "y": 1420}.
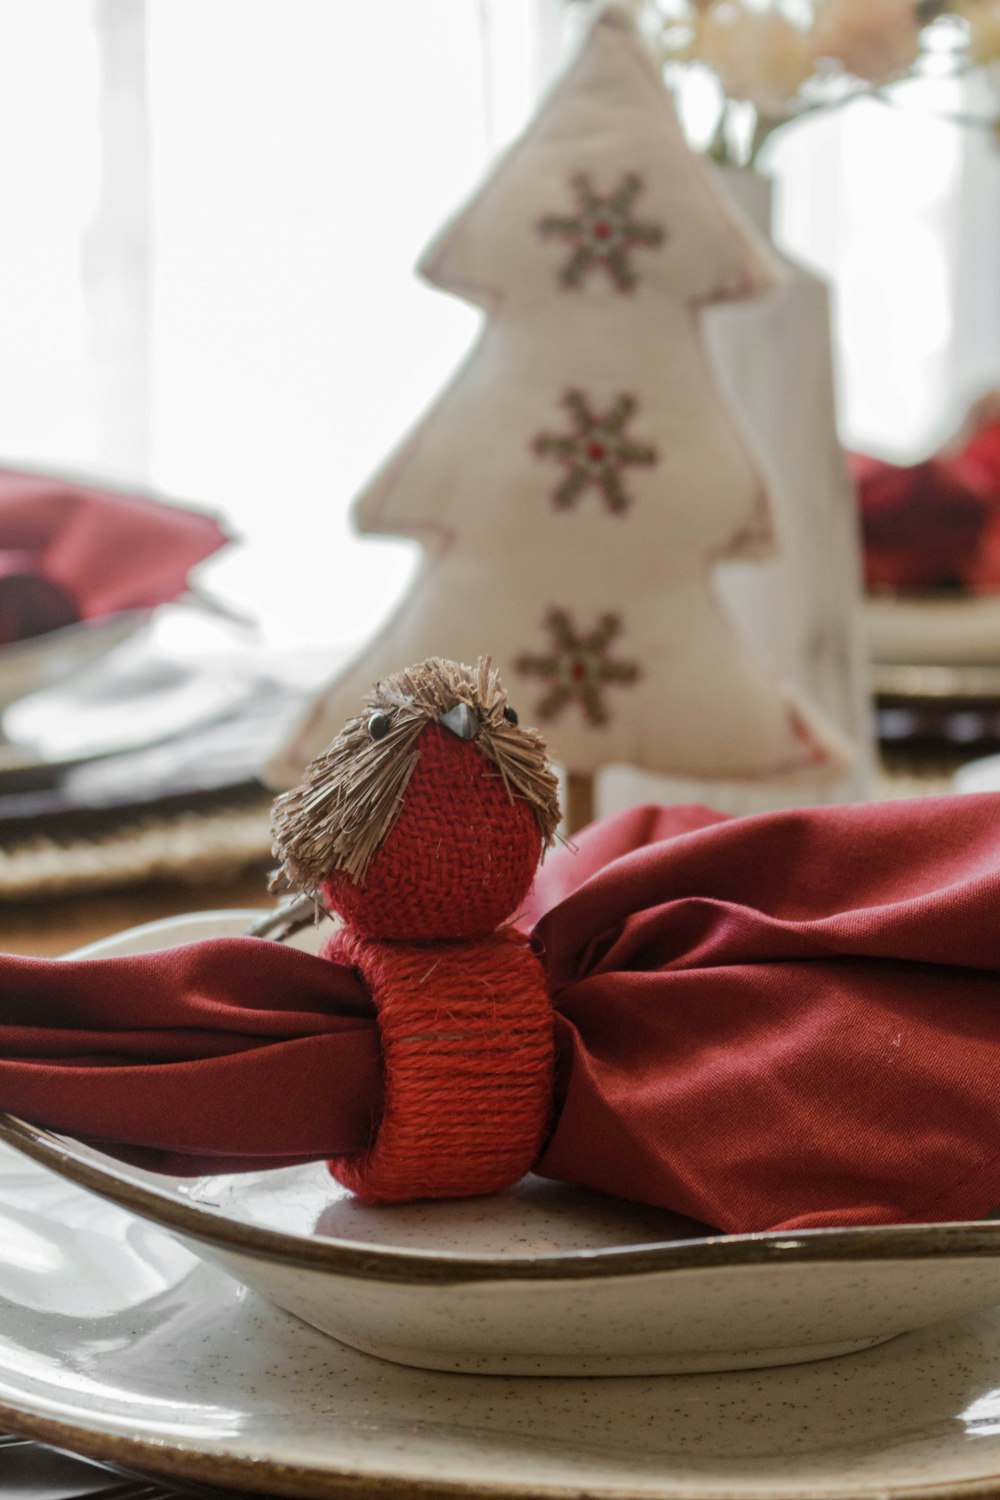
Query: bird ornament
{"x": 786, "y": 1021}
{"x": 422, "y": 826}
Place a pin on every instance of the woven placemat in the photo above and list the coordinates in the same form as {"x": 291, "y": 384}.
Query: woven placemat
{"x": 193, "y": 842}
{"x": 226, "y": 834}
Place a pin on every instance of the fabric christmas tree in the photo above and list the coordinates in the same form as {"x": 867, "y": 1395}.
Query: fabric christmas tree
{"x": 578, "y": 480}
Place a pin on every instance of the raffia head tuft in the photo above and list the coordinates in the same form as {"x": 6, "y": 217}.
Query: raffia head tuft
{"x": 351, "y": 795}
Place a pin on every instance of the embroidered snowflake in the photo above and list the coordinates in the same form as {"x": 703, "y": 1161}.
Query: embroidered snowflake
{"x": 602, "y": 232}
{"x": 595, "y": 452}
{"x": 578, "y": 667}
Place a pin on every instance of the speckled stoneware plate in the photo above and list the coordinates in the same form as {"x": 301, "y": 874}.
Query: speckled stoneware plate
{"x": 545, "y": 1279}
{"x": 945, "y": 630}
{"x": 118, "y": 1342}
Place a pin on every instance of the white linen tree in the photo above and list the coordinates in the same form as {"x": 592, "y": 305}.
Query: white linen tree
{"x": 582, "y": 474}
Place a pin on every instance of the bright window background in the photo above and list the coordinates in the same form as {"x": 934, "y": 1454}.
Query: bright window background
{"x": 899, "y": 208}
{"x": 50, "y": 168}
{"x": 210, "y": 228}
{"x": 303, "y": 155}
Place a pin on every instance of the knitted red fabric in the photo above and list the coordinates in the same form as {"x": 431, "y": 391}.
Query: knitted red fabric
{"x": 467, "y": 1035}
{"x": 459, "y": 859}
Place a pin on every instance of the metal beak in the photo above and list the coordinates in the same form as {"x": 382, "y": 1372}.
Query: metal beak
{"x": 462, "y": 720}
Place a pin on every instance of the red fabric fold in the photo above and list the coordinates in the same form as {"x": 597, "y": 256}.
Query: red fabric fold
{"x": 790, "y": 1020}
{"x": 214, "y": 1056}
{"x": 76, "y": 551}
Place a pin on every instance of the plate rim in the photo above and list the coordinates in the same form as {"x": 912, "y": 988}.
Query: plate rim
{"x": 172, "y": 1456}
{"x": 372, "y": 1262}
{"x": 169, "y": 1459}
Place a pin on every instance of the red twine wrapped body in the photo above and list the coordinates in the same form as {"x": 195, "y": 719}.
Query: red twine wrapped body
{"x": 468, "y": 1053}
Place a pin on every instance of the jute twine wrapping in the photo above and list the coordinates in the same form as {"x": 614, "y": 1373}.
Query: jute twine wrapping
{"x": 468, "y": 1049}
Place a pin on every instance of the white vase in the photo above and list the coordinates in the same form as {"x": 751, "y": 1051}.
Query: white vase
{"x": 803, "y": 608}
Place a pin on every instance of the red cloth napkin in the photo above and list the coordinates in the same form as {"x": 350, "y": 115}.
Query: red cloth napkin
{"x": 924, "y": 526}
{"x": 935, "y": 526}
{"x": 790, "y": 1020}
{"x": 73, "y": 552}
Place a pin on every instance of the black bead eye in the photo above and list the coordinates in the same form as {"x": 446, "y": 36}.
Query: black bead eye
{"x": 378, "y": 726}
{"x": 510, "y": 714}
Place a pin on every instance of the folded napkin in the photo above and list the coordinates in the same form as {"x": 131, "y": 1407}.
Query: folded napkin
{"x": 924, "y": 526}
{"x": 73, "y": 552}
{"x": 784, "y": 1021}
{"x": 935, "y": 526}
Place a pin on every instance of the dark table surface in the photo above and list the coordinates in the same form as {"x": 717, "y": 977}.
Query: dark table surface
{"x": 29, "y": 1471}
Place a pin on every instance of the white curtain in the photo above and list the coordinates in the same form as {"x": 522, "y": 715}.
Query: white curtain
{"x": 899, "y": 207}
{"x": 50, "y": 191}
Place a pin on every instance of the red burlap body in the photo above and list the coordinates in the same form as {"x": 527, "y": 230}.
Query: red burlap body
{"x": 458, "y": 860}
{"x": 467, "y": 1037}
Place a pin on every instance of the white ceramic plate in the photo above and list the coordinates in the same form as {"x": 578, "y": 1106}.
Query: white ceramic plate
{"x": 545, "y": 1279}
{"x": 937, "y": 631}
{"x": 88, "y": 693}
{"x": 119, "y": 1343}
{"x": 979, "y": 775}
{"x": 44, "y": 660}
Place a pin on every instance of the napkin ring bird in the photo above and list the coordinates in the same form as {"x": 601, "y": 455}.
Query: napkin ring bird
{"x": 422, "y": 825}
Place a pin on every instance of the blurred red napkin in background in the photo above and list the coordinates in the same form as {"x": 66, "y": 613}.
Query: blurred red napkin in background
{"x": 72, "y": 551}
{"x": 934, "y": 526}
{"x": 923, "y": 526}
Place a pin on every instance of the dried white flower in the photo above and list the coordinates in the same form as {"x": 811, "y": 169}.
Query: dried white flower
{"x": 870, "y": 39}
{"x": 983, "y": 20}
{"x": 757, "y": 55}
